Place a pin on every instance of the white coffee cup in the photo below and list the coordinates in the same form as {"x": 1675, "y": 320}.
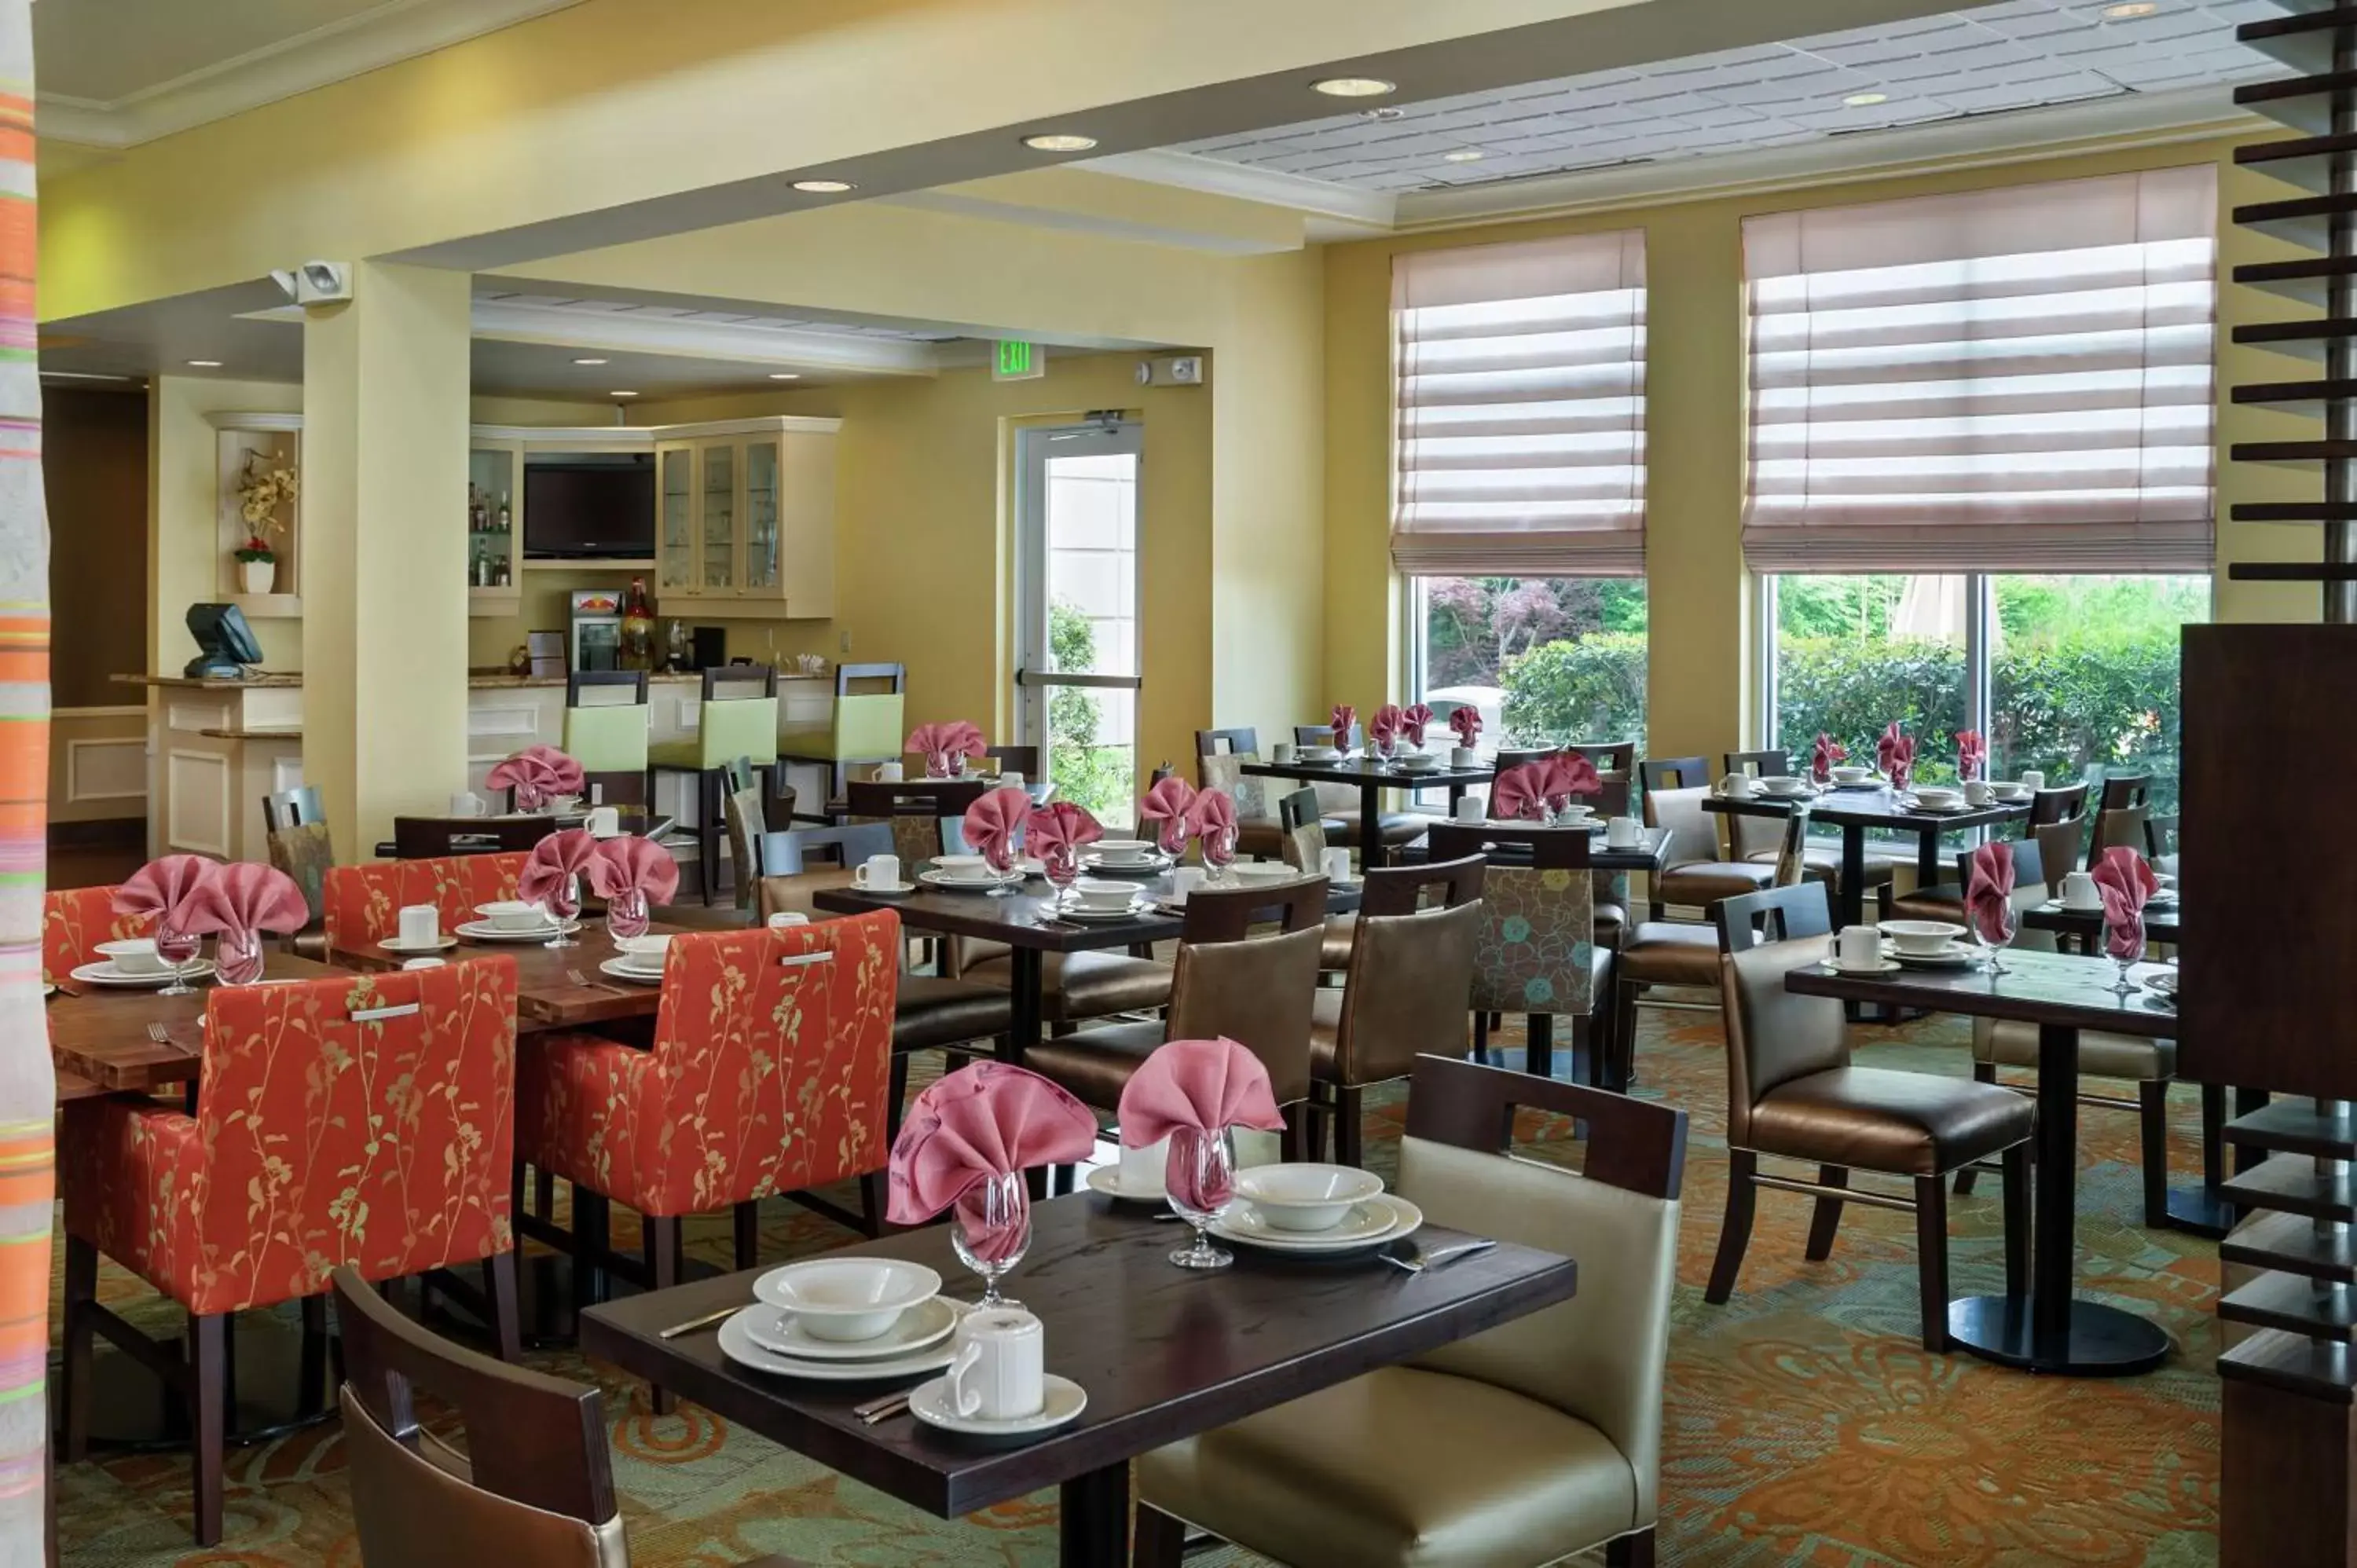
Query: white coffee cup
{"x": 1472, "y": 808}
{"x": 1859, "y": 947}
{"x": 788, "y": 918}
{"x": 2031, "y": 778}
{"x": 878, "y": 871}
{"x": 1337, "y": 863}
{"x": 1008, "y": 778}
{"x": 1185, "y": 879}
{"x": 2080, "y": 892}
{"x": 1735, "y": 787}
{"x": 1621, "y": 833}
{"x": 421, "y": 925}
{"x": 467, "y": 803}
{"x": 1978, "y": 794}
{"x": 1000, "y": 1369}
{"x": 1464, "y": 757}
{"x": 889, "y": 773}
{"x": 605, "y": 821}
{"x": 1282, "y": 752}
{"x": 420, "y": 964}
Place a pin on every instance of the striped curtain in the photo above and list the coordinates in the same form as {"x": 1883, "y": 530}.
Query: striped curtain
{"x": 27, "y": 1091}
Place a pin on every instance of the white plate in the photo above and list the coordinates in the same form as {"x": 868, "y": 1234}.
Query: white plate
{"x": 484, "y": 931}
{"x": 630, "y": 972}
{"x": 1107, "y": 1179}
{"x": 928, "y": 1402}
{"x": 105, "y": 973}
{"x": 883, "y": 889}
{"x": 439, "y": 944}
{"x": 1087, "y": 917}
{"x": 1879, "y": 966}
{"x": 737, "y": 1344}
{"x": 927, "y": 1324}
{"x": 2057, "y": 906}
{"x": 968, "y": 885}
{"x": 1246, "y": 1230}
{"x": 2162, "y": 984}
{"x": 1955, "y": 955}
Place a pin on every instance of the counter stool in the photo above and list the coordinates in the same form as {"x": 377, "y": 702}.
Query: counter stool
{"x": 727, "y": 728}
{"x": 867, "y": 726}
{"x": 608, "y": 739}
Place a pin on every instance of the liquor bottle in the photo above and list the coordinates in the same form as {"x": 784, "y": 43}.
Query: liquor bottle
{"x": 500, "y": 570}
{"x": 479, "y": 572}
{"x": 506, "y": 517}
{"x": 637, "y": 646}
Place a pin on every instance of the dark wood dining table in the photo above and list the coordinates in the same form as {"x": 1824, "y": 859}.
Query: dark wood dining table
{"x": 1026, "y": 922}
{"x": 1163, "y": 1353}
{"x": 100, "y": 1036}
{"x": 1856, "y": 811}
{"x": 548, "y": 996}
{"x": 1371, "y": 779}
{"x": 2052, "y": 1329}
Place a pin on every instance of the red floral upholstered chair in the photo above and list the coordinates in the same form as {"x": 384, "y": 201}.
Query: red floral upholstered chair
{"x": 74, "y": 920}
{"x": 366, "y": 1119}
{"x": 772, "y": 1050}
{"x": 364, "y": 902}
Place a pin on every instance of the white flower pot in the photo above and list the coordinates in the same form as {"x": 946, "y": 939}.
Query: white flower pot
{"x": 258, "y": 576}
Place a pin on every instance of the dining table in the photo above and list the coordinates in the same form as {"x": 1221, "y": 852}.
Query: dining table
{"x": 1855, "y": 810}
{"x": 135, "y": 1039}
{"x": 1370, "y": 777}
{"x": 556, "y": 988}
{"x": 1162, "y": 1354}
{"x": 2052, "y": 1328}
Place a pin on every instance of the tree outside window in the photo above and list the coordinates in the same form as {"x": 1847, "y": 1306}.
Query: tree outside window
{"x": 1545, "y": 658}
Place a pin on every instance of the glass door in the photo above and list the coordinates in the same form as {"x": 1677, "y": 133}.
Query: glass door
{"x": 1077, "y": 609}
{"x": 718, "y": 518}
{"x": 675, "y": 526}
{"x": 761, "y": 516}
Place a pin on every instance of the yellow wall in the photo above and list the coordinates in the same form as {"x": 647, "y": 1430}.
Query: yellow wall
{"x": 183, "y": 496}
{"x": 1699, "y": 686}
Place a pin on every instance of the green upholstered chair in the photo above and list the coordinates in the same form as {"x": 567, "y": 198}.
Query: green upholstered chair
{"x": 868, "y": 725}
{"x": 607, "y": 736}
{"x": 737, "y": 720}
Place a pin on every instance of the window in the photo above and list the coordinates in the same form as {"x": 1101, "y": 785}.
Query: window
{"x": 1543, "y": 659}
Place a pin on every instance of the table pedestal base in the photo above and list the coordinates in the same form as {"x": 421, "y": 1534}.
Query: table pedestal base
{"x": 2102, "y": 1341}
{"x": 2199, "y": 1211}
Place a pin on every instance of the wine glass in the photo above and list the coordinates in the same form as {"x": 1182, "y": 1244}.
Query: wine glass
{"x": 992, "y": 1232}
{"x": 1201, "y": 1180}
{"x": 1062, "y": 866}
{"x": 1172, "y": 836}
{"x": 1218, "y": 849}
{"x": 237, "y": 957}
{"x": 563, "y": 904}
{"x": 626, "y": 916}
{"x": 2123, "y": 939}
{"x": 2008, "y": 927}
{"x": 1000, "y": 858}
{"x": 177, "y": 948}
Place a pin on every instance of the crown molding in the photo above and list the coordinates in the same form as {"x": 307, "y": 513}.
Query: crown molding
{"x": 577, "y": 328}
{"x": 1366, "y": 211}
{"x": 382, "y": 36}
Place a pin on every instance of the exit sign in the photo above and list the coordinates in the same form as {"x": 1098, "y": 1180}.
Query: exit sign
{"x": 1019, "y": 362}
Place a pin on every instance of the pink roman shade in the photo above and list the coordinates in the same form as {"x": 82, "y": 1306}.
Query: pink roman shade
{"x": 2016, "y": 380}
{"x": 1520, "y": 393}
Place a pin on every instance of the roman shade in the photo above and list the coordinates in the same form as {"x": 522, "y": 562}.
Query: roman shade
{"x": 1520, "y": 391}
{"x": 2014, "y": 380}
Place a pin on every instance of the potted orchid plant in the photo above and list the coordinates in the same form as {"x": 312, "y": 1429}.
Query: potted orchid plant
{"x": 261, "y": 490}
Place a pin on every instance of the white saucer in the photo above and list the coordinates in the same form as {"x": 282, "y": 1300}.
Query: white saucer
{"x": 104, "y": 973}
{"x": 1087, "y": 917}
{"x": 884, "y": 889}
{"x": 1245, "y": 1229}
{"x": 439, "y": 944}
{"x": 968, "y": 884}
{"x": 929, "y": 1323}
{"x": 1362, "y": 1221}
{"x": 1955, "y": 955}
{"x": 2061, "y": 908}
{"x": 631, "y": 973}
{"x": 2163, "y": 984}
{"x": 1879, "y": 966}
{"x": 1107, "y": 1179}
{"x": 928, "y": 1402}
{"x": 1144, "y": 862}
{"x": 484, "y": 931}
{"x": 738, "y": 1344}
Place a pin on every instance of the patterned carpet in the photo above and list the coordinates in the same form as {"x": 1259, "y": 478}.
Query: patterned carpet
{"x": 1805, "y": 1423}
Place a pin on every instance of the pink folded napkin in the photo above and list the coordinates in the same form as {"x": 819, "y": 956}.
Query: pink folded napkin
{"x": 1344, "y": 717}
{"x": 977, "y": 1124}
{"x": 1518, "y": 793}
{"x": 1971, "y": 753}
{"x": 538, "y": 774}
{"x": 1166, "y": 805}
{"x": 991, "y": 824}
{"x": 945, "y": 747}
{"x": 1413, "y": 721}
{"x": 164, "y": 889}
{"x": 1894, "y": 752}
{"x": 631, "y": 872}
{"x": 2125, "y": 882}
{"x": 1383, "y": 729}
{"x": 1988, "y": 892}
{"x": 1057, "y": 827}
{"x": 241, "y": 902}
{"x": 1823, "y": 755}
{"x": 1212, "y": 814}
{"x": 553, "y": 860}
{"x": 1567, "y": 774}
{"x": 1467, "y": 723}
{"x": 1196, "y": 1086}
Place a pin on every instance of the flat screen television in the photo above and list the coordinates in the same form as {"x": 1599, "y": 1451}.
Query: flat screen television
{"x": 588, "y": 509}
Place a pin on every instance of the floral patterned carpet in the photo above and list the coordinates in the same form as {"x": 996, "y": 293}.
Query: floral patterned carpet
{"x": 1806, "y": 1426}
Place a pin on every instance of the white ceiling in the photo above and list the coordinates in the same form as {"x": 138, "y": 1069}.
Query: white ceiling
{"x": 2023, "y": 54}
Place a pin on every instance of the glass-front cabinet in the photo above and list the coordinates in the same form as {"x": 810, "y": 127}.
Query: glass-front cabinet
{"x": 494, "y": 528}
{"x": 761, "y": 516}
{"x": 675, "y": 521}
{"x": 718, "y": 462}
{"x": 747, "y": 524}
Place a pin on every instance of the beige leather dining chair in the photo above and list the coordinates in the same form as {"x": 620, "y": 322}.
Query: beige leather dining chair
{"x": 1522, "y": 1446}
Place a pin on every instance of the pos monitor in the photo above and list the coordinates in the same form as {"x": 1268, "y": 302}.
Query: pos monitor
{"x": 226, "y": 640}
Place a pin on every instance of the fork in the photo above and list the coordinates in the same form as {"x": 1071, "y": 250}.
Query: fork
{"x": 883, "y": 1409}
{"x": 160, "y": 1034}
{"x": 1434, "y": 1260}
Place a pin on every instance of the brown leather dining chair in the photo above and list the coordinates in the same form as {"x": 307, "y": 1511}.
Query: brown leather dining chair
{"x": 534, "y": 1487}
{"x": 1793, "y": 1095}
{"x": 1699, "y": 873}
{"x": 1304, "y": 849}
{"x": 1761, "y": 839}
{"x": 1406, "y": 987}
{"x": 1344, "y": 803}
{"x": 1221, "y": 758}
{"x": 1531, "y": 1444}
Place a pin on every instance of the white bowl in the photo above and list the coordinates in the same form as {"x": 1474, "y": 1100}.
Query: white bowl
{"x": 848, "y": 1298}
{"x": 643, "y": 952}
{"x": 1921, "y": 936}
{"x": 1419, "y": 761}
{"x": 1097, "y": 893}
{"x": 1306, "y": 1197}
{"x": 1316, "y": 753}
{"x": 133, "y": 955}
{"x": 1782, "y": 783}
{"x": 514, "y": 915}
{"x": 1844, "y": 773}
{"x": 1938, "y": 797}
{"x": 2001, "y": 790}
{"x": 1124, "y": 852}
{"x": 1262, "y": 871}
{"x": 964, "y": 868}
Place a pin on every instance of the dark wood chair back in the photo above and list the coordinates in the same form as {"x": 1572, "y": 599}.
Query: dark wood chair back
{"x": 1399, "y": 890}
{"x": 1301, "y": 830}
{"x": 1162, "y": 770}
{"x": 913, "y": 796}
{"x": 1765, "y": 764}
{"x": 533, "y": 1441}
{"x": 2028, "y": 864}
{"x": 717, "y": 676}
{"x": 1637, "y": 1145}
{"x": 1023, "y": 759}
{"x": 1229, "y": 914}
{"x": 1323, "y": 735}
{"x": 1609, "y": 756}
{"x": 2121, "y": 827}
{"x": 2122, "y": 791}
{"x": 581, "y": 681}
{"x": 792, "y": 853}
{"x": 2059, "y": 804}
{"x": 1675, "y": 773}
{"x": 1541, "y": 849}
{"x": 1521, "y": 758}
{"x": 431, "y": 838}
{"x": 292, "y": 808}
{"x": 2159, "y": 833}
{"x": 1772, "y": 915}
{"x": 870, "y": 679}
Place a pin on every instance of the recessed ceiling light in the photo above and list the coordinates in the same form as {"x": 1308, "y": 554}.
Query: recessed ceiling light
{"x": 1355, "y": 86}
{"x": 785, "y": 375}
{"x": 1060, "y": 142}
{"x": 824, "y": 186}
{"x": 589, "y": 361}
{"x": 1462, "y": 156}
{"x": 622, "y": 393}
{"x": 2134, "y": 8}
{"x": 1866, "y": 100}
{"x": 204, "y": 364}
